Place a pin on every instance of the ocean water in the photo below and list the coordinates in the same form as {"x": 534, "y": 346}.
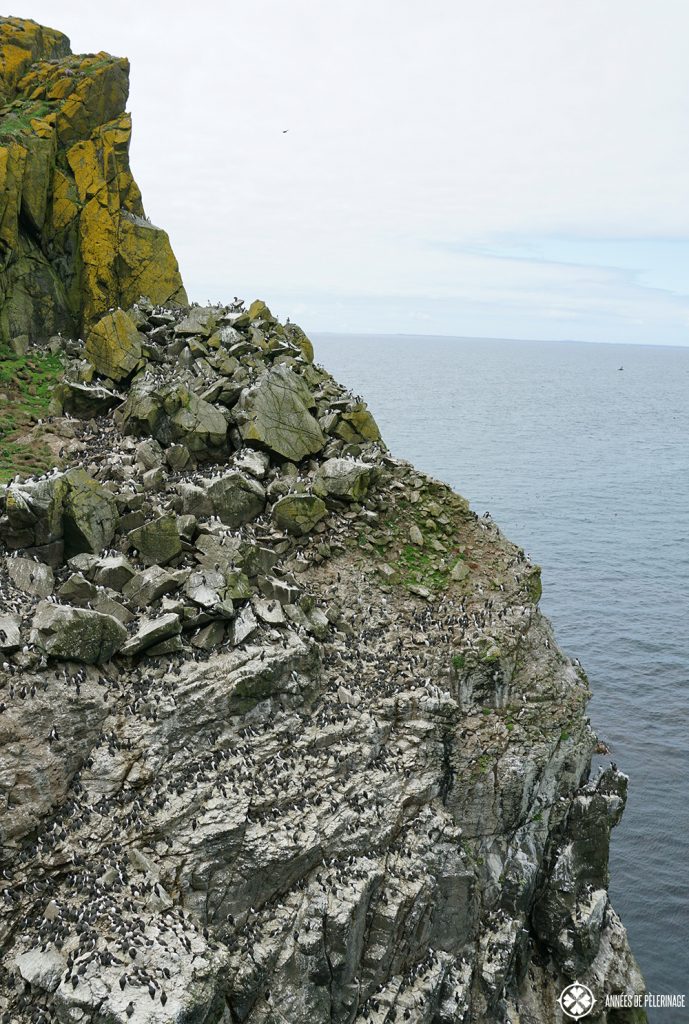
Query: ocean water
{"x": 586, "y": 465}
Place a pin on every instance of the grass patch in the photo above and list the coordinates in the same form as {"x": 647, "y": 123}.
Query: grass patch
{"x": 26, "y": 384}
{"x": 417, "y": 567}
{"x": 16, "y": 122}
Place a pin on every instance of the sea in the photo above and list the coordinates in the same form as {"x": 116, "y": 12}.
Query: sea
{"x": 581, "y": 454}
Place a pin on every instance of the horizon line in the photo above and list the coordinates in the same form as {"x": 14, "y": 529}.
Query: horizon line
{"x": 489, "y": 337}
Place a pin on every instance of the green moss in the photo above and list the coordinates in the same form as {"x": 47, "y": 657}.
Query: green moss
{"x": 458, "y": 662}
{"x": 534, "y": 585}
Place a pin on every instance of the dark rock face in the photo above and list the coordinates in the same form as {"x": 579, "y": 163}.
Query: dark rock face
{"x": 284, "y": 736}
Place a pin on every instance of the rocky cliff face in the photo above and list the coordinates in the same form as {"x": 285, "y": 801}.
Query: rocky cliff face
{"x": 74, "y": 240}
{"x": 283, "y": 734}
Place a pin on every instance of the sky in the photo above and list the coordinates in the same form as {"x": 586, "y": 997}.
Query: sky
{"x": 484, "y": 168}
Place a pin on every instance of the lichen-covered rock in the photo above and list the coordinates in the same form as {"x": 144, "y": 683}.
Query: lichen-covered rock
{"x": 173, "y": 414}
{"x": 157, "y": 542}
{"x": 34, "y": 512}
{"x": 236, "y": 499}
{"x": 347, "y": 479}
{"x": 275, "y": 414}
{"x": 74, "y": 242}
{"x": 298, "y": 513}
{"x": 113, "y": 346}
{"x": 89, "y": 514}
{"x": 76, "y": 634}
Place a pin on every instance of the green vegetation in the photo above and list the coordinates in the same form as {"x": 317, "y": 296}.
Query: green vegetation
{"x": 17, "y": 121}
{"x": 458, "y": 662}
{"x": 26, "y": 388}
{"x": 417, "y": 567}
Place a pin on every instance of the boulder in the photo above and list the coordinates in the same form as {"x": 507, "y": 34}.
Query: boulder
{"x": 204, "y": 588}
{"x": 236, "y": 499}
{"x": 152, "y": 632}
{"x": 193, "y": 500}
{"x": 148, "y": 586}
{"x": 9, "y": 632}
{"x": 244, "y": 625}
{"x": 209, "y": 637}
{"x": 357, "y": 425}
{"x": 113, "y": 346}
{"x": 199, "y": 320}
{"x": 346, "y": 479}
{"x": 30, "y": 576}
{"x": 274, "y": 414}
{"x": 157, "y": 542}
{"x": 113, "y": 571}
{"x": 34, "y": 512}
{"x": 78, "y": 590}
{"x": 76, "y": 634}
{"x": 298, "y": 513}
{"x": 84, "y": 400}
{"x": 251, "y": 461}
{"x": 173, "y": 414}
{"x": 89, "y": 514}
{"x": 41, "y": 968}
{"x": 269, "y": 611}
{"x": 69, "y": 506}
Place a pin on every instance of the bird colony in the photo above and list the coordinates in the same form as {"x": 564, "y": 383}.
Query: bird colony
{"x": 284, "y": 736}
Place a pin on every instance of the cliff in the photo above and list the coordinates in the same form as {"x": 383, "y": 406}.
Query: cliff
{"x": 284, "y": 736}
{"x": 74, "y": 239}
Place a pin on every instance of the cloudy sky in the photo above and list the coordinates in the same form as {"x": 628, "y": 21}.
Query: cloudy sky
{"x": 504, "y": 168}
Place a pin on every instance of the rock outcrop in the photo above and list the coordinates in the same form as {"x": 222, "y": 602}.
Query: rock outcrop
{"x": 284, "y": 736}
{"x": 74, "y": 239}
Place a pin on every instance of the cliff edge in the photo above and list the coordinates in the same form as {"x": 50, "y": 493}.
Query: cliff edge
{"x": 284, "y": 736}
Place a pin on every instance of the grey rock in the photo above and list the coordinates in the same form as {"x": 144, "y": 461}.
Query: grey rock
{"x": 77, "y": 589}
{"x": 275, "y": 414}
{"x": 268, "y": 610}
{"x": 114, "y": 571}
{"x": 173, "y": 414}
{"x": 152, "y": 632}
{"x": 236, "y": 499}
{"x": 31, "y": 577}
{"x": 298, "y": 513}
{"x": 157, "y": 542}
{"x": 89, "y": 514}
{"x": 209, "y": 636}
{"x": 194, "y": 500}
{"x": 41, "y": 969}
{"x": 9, "y": 632}
{"x": 146, "y": 587}
{"x": 76, "y": 634}
{"x": 177, "y": 457}
{"x": 244, "y": 626}
{"x": 346, "y": 479}
{"x": 251, "y": 461}
{"x": 149, "y": 454}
